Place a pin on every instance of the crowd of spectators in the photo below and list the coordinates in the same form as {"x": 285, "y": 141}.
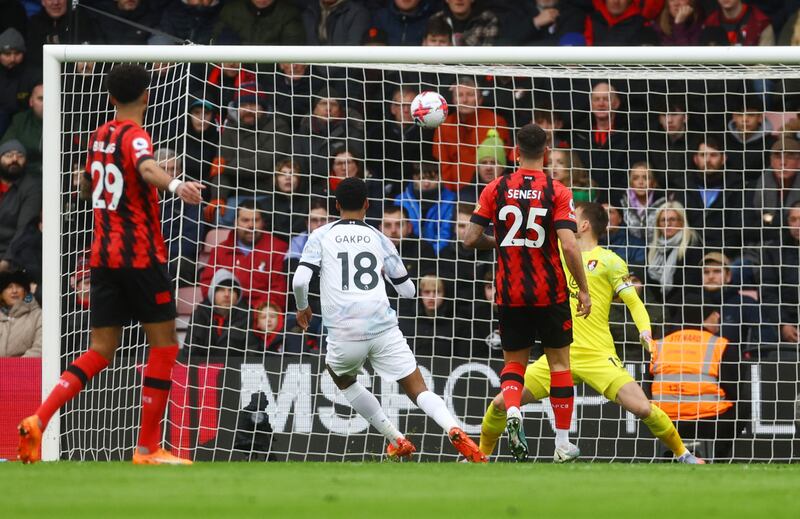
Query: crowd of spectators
{"x": 699, "y": 176}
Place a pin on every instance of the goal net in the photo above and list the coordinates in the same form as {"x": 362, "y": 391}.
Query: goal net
{"x": 697, "y": 162}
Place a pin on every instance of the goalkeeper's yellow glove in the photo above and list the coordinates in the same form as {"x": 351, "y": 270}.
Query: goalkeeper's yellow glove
{"x": 646, "y": 339}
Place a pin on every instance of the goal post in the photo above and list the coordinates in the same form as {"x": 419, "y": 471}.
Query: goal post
{"x": 308, "y": 419}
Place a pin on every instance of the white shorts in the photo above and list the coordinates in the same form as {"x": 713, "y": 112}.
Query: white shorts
{"x": 388, "y": 354}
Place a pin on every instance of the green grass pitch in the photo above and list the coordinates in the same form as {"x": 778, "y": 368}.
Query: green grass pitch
{"x": 399, "y": 490}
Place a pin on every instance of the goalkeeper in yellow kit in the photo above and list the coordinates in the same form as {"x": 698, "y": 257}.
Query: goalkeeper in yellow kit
{"x": 593, "y": 358}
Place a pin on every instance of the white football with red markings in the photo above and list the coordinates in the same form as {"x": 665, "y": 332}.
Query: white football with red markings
{"x": 429, "y": 109}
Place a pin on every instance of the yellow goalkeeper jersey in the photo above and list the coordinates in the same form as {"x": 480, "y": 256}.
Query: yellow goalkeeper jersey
{"x": 607, "y": 275}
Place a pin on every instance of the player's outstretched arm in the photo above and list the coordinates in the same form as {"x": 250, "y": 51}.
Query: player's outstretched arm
{"x": 153, "y": 174}
{"x": 476, "y": 238}
{"x": 300, "y": 284}
{"x": 572, "y": 257}
{"x": 640, "y": 316}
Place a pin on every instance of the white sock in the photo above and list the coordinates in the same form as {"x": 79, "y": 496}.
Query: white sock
{"x": 433, "y": 406}
{"x": 562, "y": 437}
{"x": 368, "y": 406}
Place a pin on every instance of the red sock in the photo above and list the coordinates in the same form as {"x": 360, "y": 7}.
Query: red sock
{"x": 512, "y": 381}
{"x": 155, "y": 393}
{"x": 70, "y": 384}
{"x": 562, "y": 396}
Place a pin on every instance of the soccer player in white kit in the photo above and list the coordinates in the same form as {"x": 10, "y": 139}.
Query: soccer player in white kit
{"x": 351, "y": 257}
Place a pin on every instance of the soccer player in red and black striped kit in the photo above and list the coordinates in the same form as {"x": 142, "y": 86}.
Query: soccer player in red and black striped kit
{"x": 128, "y": 266}
{"x": 531, "y": 213}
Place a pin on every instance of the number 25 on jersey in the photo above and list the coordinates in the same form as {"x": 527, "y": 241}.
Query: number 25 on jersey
{"x": 510, "y": 239}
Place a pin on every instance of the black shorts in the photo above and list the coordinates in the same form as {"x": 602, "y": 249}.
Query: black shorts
{"x": 119, "y": 296}
{"x": 520, "y": 326}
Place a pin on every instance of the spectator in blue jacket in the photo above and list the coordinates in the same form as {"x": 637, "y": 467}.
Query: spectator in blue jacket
{"x": 405, "y": 21}
{"x": 431, "y": 207}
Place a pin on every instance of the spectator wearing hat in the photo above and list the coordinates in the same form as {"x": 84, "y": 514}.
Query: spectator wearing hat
{"x": 404, "y": 21}
{"x": 17, "y": 77}
{"x": 736, "y": 311}
{"x": 335, "y": 22}
{"x": 491, "y": 163}
{"x": 107, "y": 30}
{"x": 188, "y": 20}
{"x": 20, "y": 198}
{"x": 202, "y": 140}
{"x": 20, "y": 317}
{"x": 220, "y": 323}
{"x": 56, "y": 23}
{"x": 473, "y": 25}
{"x": 247, "y": 152}
{"x": 26, "y": 127}
{"x": 263, "y": 22}
{"x": 777, "y": 189}
{"x": 332, "y": 124}
{"x": 456, "y": 141}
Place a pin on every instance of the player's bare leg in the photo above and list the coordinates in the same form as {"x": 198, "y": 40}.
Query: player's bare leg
{"x": 370, "y": 409}
{"x": 155, "y": 395}
{"x": 561, "y": 400}
{"x": 432, "y": 405}
{"x": 632, "y": 398}
{"x": 104, "y": 342}
{"x": 512, "y": 383}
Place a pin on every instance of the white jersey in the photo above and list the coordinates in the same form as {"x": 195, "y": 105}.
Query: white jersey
{"x": 351, "y": 258}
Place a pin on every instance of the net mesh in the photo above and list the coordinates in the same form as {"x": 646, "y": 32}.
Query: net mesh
{"x": 270, "y": 142}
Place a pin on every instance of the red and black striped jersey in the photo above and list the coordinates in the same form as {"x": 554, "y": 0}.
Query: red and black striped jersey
{"x": 526, "y": 208}
{"x": 127, "y": 230}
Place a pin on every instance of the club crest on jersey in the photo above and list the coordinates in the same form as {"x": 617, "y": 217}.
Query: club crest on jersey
{"x": 591, "y": 265}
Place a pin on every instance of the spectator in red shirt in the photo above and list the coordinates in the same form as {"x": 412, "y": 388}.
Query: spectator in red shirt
{"x": 254, "y": 256}
{"x": 456, "y": 141}
{"x": 744, "y": 24}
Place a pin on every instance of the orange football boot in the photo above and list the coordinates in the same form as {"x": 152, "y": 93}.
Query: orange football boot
{"x": 466, "y": 446}
{"x": 30, "y": 440}
{"x": 159, "y": 457}
{"x": 404, "y": 449}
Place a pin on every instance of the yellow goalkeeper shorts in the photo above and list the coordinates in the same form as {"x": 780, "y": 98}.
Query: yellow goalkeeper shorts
{"x": 601, "y": 370}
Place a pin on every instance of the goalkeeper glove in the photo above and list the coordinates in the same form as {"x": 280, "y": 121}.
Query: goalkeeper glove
{"x": 646, "y": 339}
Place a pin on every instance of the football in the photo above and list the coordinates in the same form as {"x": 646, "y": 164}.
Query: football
{"x": 429, "y": 109}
